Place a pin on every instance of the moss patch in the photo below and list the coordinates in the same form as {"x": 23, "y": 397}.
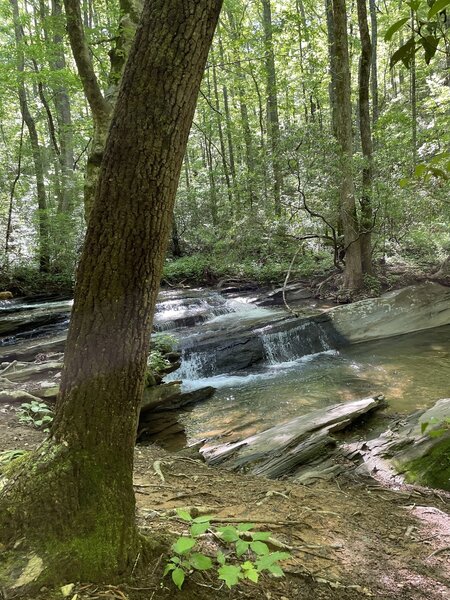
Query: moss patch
{"x": 431, "y": 470}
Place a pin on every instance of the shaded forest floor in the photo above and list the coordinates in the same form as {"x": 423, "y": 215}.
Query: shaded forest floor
{"x": 350, "y": 538}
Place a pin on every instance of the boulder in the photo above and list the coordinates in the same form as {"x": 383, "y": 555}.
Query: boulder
{"x": 410, "y": 309}
{"x": 6, "y": 296}
{"x": 416, "y": 451}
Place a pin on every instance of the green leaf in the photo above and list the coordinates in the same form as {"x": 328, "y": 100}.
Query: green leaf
{"x": 430, "y": 44}
{"x": 404, "y": 182}
{"x": 439, "y": 173}
{"x": 245, "y": 527}
{"x": 178, "y": 577}
{"x": 230, "y": 574}
{"x": 200, "y": 561}
{"x": 437, "y": 7}
{"x": 199, "y": 528}
{"x": 394, "y": 28}
{"x": 261, "y": 536}
{"x": 260, "y": 548}
{"x": 183, "y": 545}
{"x": 204, "y": 519}
{"x": 264, "y": 562}
{"x": 414, "y": 4}
{"x": 169, "y": 567}
{"x": 404, "y": 53}
{"x": 423, "y": 427}
{"x": 420, "y": 170}
{"x": 276, "y": 570}
{"x": 241, "y": 547}
{"x": 228, "y": 534}
{"x": 252, "y": 574}
{"x": 438, "y": 157}
{"x": 183, "y": 514}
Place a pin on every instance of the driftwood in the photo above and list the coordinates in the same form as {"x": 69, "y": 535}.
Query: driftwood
{"x": 280, "y": 450}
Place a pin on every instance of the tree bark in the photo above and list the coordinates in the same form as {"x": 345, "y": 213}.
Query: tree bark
{"x": 374, "y": 30}
{"x": 366, "y": 139}
{"x": 43, "y": 221}
{"x": 353, "y": 278}
{"x": 273, "y": 123}
{"x": 64, "y": 119}
{"x": 73, "y": 499}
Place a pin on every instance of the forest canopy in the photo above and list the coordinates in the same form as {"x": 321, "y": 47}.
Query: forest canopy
{"x": 261, "y": 178}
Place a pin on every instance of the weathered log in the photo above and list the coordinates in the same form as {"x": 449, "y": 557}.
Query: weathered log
{"x": 281, "y": 449}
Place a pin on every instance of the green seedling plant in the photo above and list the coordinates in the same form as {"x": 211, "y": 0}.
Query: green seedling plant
{"x": 443, "y": 427}
{"x": 36, "y": 414}
{"x": 241, "y": 544}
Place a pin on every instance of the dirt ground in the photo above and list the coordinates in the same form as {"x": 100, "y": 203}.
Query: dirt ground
{"x": 349, "y": 539}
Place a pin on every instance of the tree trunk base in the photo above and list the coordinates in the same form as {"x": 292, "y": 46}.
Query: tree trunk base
{"x": 55, "y": 529}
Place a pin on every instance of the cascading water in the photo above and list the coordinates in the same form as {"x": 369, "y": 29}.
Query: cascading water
{"x": 187, "y": 312}
{"x": 305, "y": 340}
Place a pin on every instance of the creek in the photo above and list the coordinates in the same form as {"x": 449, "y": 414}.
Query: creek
{"x": 287, "y": 369}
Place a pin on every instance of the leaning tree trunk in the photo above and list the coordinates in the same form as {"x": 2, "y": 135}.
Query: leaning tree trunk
{"x": 72, "y": 501}
{"x": 353, "y": 270}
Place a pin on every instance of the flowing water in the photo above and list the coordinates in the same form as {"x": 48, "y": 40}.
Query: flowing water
{"x": 300, "y": 368}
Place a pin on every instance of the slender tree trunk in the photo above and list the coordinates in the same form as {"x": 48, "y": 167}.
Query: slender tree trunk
{"x": 43, "y": 217}
{"x": 273, "y": 123}
{"x": 366, "y": 139}
{"x": 374, "y": 60}
{"x": 413, "y": 99}
{"x": 353, "y": 269}
{"x": 331, "y": 62}
{"x": 101, "y": 106}
{"x": 72, "y": 502}
{"x": 243, "y": 109}
{"x": 64, "y": 118}
{"x": 223, "y": 151}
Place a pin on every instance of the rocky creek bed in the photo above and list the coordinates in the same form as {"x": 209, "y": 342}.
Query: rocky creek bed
{"x": 342, "y": 523}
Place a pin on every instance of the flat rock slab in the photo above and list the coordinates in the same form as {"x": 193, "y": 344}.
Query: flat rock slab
{"x": 281, "y": 449}
{"x": 410, "y": 309}
{"x": 417, "y": 451}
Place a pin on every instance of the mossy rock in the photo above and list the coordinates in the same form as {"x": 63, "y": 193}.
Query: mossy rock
{"x": 432, "y": 469}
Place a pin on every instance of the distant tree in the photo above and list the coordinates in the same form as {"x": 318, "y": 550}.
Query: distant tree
{"x": 71, "y": 503}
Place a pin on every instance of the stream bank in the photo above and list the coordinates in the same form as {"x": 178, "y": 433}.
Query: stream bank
{"x": 349, "y": 537}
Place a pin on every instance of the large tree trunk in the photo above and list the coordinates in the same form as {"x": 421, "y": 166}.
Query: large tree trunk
{"x": 72, "y": 501}
{"x": 353, "y": 270}
{"x": 366, "y": 139}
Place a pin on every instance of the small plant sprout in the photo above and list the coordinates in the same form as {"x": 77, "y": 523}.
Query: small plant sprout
{"x": 36, "y": 414}
{"x": 239, "y": 542}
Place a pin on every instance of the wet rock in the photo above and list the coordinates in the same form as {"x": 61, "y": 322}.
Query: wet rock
{"x": 293, "y": 293}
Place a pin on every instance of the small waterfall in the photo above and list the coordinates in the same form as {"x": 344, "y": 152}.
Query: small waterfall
{"x": 285, "y": 346}
{"x": 194, "y": 365}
